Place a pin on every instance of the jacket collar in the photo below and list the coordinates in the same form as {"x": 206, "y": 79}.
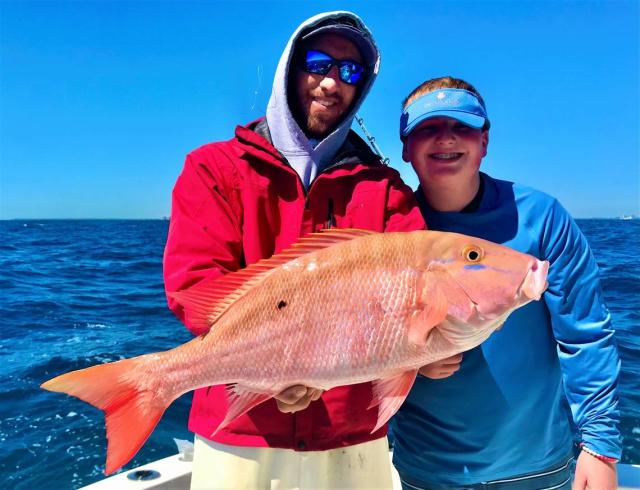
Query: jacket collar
{"x": 255, "y": 139}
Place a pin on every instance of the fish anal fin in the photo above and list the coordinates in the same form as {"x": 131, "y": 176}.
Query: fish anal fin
{"x": 389, "y": 394}
{"x": 205, "y": 302}
{"x": 240, "y": 400}
{"x": 431, "y": 308}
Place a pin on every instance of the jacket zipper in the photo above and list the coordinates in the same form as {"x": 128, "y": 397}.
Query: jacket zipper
{"x": 331, "y": 219}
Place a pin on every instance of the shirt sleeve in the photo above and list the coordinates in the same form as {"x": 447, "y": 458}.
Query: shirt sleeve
{"x": 403, "y": 213}
{"x": 204, "y": 240}
{"x": 582, "y": 327}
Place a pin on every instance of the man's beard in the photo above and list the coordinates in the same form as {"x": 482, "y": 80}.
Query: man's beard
{"x": 318, "y": 127}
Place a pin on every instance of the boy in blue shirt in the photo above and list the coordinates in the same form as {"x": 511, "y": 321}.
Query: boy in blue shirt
{"x": 495, "y": 416}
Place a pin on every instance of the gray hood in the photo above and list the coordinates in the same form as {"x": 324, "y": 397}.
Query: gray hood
{"x": 308, "y": 159}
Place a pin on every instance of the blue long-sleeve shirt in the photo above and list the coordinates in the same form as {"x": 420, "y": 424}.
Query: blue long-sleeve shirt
{"x": 503, "y": 413}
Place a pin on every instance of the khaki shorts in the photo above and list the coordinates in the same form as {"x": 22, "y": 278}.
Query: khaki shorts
{"x": 220, "y": 466}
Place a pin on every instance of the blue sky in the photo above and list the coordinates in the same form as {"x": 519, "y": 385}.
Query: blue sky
{"x": 100, "y": 101}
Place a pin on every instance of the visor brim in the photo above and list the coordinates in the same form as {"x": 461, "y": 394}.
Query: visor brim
{"x": 472, "y": 120}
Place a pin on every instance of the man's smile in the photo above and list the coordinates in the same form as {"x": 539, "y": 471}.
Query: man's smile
{"x": 324, "y": 103}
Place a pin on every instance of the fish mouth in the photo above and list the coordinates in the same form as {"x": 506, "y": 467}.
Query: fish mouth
{"x": 535, "y": 282}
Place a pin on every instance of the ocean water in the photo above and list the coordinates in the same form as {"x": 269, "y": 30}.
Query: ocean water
{"x": 78, "y": 293}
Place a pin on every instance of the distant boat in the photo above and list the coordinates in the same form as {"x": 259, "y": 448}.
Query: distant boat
{"x": 627, "y": 217}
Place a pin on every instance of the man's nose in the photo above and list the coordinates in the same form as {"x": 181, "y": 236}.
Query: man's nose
{"x": 330, "y": 82}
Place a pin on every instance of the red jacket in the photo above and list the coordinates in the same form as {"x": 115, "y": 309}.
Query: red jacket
{"x": 237, "y": 202}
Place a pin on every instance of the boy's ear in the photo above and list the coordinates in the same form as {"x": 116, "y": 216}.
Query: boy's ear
{"x": 485, "y": 142}
{"x": 405, "y": 152}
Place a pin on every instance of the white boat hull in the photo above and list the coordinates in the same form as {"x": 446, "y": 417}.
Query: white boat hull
{"x": 174, "y": 473}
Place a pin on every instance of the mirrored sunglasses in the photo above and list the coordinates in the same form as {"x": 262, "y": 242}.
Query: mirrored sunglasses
{"x": 320, "y": 63}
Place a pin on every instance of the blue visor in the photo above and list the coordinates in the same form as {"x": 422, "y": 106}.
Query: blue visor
{"x": 456, "y": 103}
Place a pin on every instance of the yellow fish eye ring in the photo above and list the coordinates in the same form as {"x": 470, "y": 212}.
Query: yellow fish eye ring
{"x": 472, "y": 253}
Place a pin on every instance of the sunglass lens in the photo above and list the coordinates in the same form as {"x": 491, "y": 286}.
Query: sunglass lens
{"x": 317, "y": 62}
{"x": 350, "y": 73}
{"x": 320, "y": 67}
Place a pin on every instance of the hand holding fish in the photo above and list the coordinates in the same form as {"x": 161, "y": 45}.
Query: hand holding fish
{"x": 296, "y": 398}
{"x": 442, "y": 368}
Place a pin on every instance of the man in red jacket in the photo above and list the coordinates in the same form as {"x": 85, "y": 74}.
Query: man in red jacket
{"x": 299, "y": 170}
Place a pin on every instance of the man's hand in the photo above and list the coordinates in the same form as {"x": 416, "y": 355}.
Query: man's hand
{"x": 594, "y": 474}
{"x": 443, "y": 368}
{"x": 296, "y": 398}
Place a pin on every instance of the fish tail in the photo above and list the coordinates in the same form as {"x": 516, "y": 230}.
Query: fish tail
{"x": 131, "y": 411}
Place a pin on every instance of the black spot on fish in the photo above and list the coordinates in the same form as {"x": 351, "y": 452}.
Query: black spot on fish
{"x": 281, "y": 304}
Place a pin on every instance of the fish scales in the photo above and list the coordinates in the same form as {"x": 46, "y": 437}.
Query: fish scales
{"x": 316, "y": 328}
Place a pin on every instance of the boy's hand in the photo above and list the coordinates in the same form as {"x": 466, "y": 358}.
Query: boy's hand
{"x": 594, "y": 474}
{"x": 443, "y": 368}
{"x": 296, "y": 398}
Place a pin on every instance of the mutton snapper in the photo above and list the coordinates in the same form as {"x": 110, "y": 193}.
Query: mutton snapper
{"x": 339, "y": 307}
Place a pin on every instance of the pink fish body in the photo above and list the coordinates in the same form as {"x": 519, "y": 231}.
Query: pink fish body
{"x": 338, "y": 308}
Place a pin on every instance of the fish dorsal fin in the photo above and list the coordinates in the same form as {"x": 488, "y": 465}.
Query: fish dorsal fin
{"x": 205, "y": 302}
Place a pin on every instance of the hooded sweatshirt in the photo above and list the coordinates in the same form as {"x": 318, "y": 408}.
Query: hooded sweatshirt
{"x": 308, "y": 158}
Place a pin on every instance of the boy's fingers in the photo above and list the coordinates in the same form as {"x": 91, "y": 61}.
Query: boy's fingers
{"x": 439, "y": 372}
{"x": 457, "y": 359}
{"x": 450, "y": 365}
{"x": 442, "y": 368}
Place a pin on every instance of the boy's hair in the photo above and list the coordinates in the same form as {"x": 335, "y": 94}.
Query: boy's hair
{"x": 443, "y": 82}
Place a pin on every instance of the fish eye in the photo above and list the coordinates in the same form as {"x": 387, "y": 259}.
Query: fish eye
{"x": 472, "y": 253}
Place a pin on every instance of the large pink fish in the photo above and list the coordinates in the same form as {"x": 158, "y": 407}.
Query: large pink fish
{"x": 338, "y": 308}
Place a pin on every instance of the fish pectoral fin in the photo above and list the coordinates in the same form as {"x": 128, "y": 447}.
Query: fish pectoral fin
{"x": 432, "y": 309}
{"x": 389, "y": 394}
{"x": 240, "y": 401}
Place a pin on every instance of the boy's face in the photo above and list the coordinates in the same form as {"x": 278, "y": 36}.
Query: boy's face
{"x": 443, "y": 148}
